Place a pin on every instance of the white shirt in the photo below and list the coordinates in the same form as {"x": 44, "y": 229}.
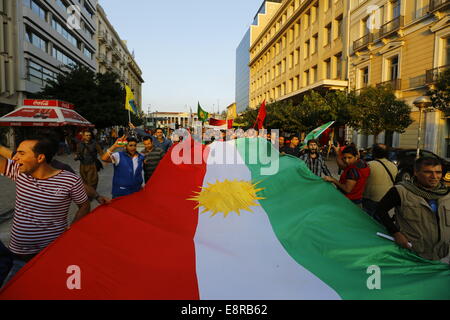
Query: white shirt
{"x": 115, "y": 157}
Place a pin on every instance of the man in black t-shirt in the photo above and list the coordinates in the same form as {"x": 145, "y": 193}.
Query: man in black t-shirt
{"x": 292, "y": 149}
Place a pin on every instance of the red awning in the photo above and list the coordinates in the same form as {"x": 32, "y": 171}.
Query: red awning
{"x": 29, "y": 116}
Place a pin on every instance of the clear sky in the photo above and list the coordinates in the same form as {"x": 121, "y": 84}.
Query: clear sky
{"x": 186, "y": 49}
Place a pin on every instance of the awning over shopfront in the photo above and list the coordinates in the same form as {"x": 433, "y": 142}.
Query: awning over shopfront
{"x": 44, "y": 113}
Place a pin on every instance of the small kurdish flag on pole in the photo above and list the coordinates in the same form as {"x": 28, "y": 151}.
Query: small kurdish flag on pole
{"x": 316, "y": 133}
{"x": 202, "y": 114}
{"x": 130, "y": 102}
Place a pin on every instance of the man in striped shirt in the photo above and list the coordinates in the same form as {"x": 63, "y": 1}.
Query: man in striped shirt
{"x": 43, "y": 197}
{"x": 314, "y": 160}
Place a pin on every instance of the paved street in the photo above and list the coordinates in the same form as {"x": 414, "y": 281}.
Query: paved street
{"x": 7, "y": 191}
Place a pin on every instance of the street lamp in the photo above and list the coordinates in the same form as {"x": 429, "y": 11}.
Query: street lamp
{"x": 421, "y": 103}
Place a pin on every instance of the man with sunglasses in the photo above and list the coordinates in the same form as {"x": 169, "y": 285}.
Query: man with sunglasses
{"x": 128, "y": 167}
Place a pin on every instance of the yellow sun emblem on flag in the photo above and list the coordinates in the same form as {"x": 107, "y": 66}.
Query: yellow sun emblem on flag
{"x": 227, "y": 196}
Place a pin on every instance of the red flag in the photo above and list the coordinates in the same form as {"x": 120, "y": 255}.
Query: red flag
{"x": 261, "y": 116}
{"x": 224, "y": 124}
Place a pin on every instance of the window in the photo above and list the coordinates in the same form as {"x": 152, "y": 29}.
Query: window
{"x": 283, "y": 66}
{"x": 62, "y": 4}
{"x": 364, "y": 74}
{"x": 327, "y": 68}
{"x": 306, "y": 49}
{"x": 39, "y": 74}
{"x": 447, "y": 51}
{"x": 328, "y": 34}
{"x": 64, "y": 32}
{"x": 279, "y": 69}
{"x": 315, "y": 43}
{"x": 338, "y": 61}
{"x": 393, "y": 68}
{"x": 88, "y": 9}
{"x": 395, "y": 9}
{"x": 338, "y": 27}
{"x": 297, "y": 29}
{"x": 60, "y": 56}
{"x": 327, "y": 5}
{"x": 315, "y": 12}
{"x": 306, "y": 78}
{"x": 36, "y": 40}
{"x": 306, "y": 19}
{"x": 291, "y": 34}
{"x": 296, "y": 56}
{"x": 291, "y": 60}
{"x": 314, "y": 74}
{"x": 36, "y": 8}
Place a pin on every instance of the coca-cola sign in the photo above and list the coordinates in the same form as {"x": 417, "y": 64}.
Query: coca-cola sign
{"x": 47, "y": 103}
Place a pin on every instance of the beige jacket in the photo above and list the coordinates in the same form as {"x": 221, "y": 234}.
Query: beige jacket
{"x": 379, "y": 182}
{"x": 428, "y": 234}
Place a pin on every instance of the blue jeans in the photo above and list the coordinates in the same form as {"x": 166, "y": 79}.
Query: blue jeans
{"x": 16, "y": 266}
{"x": 6, "y": 262}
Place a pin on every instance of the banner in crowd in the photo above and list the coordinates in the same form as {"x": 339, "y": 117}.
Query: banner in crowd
{"x": 215, "y": 227}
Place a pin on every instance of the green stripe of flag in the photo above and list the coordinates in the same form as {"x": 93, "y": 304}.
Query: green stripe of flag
{"x": 335, "y": 240}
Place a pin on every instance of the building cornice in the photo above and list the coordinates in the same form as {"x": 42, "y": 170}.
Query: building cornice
{"x": 287, "y": 24}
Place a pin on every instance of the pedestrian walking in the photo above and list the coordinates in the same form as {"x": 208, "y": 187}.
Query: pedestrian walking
{"x": 128, "y": 167}
{"x": 152, "y": 157}
{"x": 43, "y": 198}
{"x": 421, "y": 219}
{"x": 354, "y": 177}
{"x": 381, "y": 179}
{"x": 87, "y": 152}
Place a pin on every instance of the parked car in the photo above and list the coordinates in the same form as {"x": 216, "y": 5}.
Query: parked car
{"x": 404, "y": 160}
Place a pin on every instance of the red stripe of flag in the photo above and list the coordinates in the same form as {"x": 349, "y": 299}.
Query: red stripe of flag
{"x": 139, "y": 247}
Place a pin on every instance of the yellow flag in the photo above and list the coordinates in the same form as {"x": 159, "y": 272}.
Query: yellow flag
{"x": 130, "y": 103}
{"x": 231, "y": 112}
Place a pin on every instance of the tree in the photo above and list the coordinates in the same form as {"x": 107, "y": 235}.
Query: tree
{"x": 97, "y": 97}
{"x": 440, "y": 93}
{"x": 378, "y": 109}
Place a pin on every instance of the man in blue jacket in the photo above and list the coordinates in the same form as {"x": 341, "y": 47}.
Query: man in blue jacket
{"x": 128, "y": 167}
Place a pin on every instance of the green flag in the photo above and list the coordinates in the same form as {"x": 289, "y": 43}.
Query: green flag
{"x": 316, "y": 133}
{"x": 202, "y": 114}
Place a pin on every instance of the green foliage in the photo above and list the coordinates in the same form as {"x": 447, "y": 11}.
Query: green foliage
{"x": 99, "y": 98}
{"x": 440, "y": 93}
{"x": 378, "y": 109}
{"x": 373, "y": 111}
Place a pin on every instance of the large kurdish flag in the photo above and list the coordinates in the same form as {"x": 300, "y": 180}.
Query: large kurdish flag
{"x": 283, "y": 236}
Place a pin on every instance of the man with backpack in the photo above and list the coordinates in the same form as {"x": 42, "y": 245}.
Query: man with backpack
{"x": 87, "y": 152}
{"x": 381, "y": 179}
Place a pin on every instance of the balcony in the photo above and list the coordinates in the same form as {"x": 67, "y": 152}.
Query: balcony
{"x": 101, "y": 57}
{"x": 116, "y": 53}
{"x": 102, "y": 37}
{"x": 395, "y": 84}
{"x": 439, "y": 5}
{"x": 432, "y": 75}
{"x": 391, "y": 27}
{"x": 363, "y": 42}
